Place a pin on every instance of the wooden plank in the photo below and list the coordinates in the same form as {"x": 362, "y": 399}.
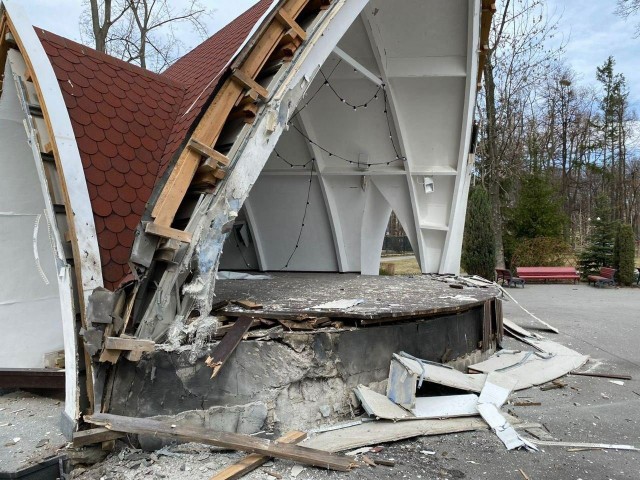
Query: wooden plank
{"x": 249, "y": 83}
{"x": 248, "y": 304}
{"x": 254, "y": 460}
{"x": 209, "y": 152}
{"x": 224, "y": 329}
{"x": 31, "y": 378}
{"x": 618, "y": 376}
{"x": 486, "y": 326}
{"x": 210, "y": 126}
{"x": 234, "y": 441}
{"x": 375, "y": 433}
{"x": 283, "y": 17}
{"x": 124, "y": 343}
{"x": 95, "y": 435}
{"x": 167, "y": 232}
{"x": 228, "y": 344}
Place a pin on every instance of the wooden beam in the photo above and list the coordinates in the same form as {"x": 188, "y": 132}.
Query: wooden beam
{"x": 254, "y": 460}
{"x": 208, "y": 129}
{"x": 167, "y": 232}
{"x": 283, "y": 17}
{"x": 208, "y": 152}
{"x": 249, "y": 83}
{"x": 228, "y": 344}
{"x": 234, "y": 441}
{"x": 222, "y": 331}
{"x": 125, "y": 343}
{"x": 95, "y": 435}
{"x": 32, "y": 378}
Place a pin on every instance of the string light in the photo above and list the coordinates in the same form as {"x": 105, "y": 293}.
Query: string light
{"x": 355, "y": 107}
{"x": 292, "y": 165}
{"x": 304, "y": 217}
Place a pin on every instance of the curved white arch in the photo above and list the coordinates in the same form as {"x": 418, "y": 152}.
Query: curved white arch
{"x": 64, "y": 145}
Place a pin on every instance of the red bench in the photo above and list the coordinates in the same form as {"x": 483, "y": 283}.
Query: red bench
{"x": 606, "y": 277}
{"x": 548, "y": 273}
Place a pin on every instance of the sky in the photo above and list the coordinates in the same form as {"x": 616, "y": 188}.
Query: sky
{"x": 591, "y": 31}
{"x": 589, "y": 28}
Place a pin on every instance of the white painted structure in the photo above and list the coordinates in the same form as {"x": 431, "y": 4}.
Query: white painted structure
{"x": 372, "y": 114}
{"x": 424, "y": 55}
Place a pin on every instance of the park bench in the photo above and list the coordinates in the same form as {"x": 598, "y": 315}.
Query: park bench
{"x": 548, "y": 273}
{"x": 505, "y": 275}
{"x": 606, "y": 277}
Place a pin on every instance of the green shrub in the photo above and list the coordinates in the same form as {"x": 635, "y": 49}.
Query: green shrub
{"x": 625, "y": 252}
{"x": 542, "y": 252}
{"x": 478, "y": 248}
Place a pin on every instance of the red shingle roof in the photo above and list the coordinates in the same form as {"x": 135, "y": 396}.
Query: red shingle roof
{"x": 129, "y": 123}
{"x": 121, "y": 117}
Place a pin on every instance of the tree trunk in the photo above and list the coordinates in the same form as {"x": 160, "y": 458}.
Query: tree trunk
{"x": 493, "y": 162}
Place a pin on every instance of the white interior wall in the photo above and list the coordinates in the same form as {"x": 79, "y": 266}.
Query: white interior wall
{"x": 419, "y": 48}
{"x": 29, "y": 298}
{"x": 277, "y": 204}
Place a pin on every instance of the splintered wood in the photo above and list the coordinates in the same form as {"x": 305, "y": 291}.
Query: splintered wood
{"x": 255, "y": 460}
{"x": 228, "y": 344}
{"x": 234, "y": 441}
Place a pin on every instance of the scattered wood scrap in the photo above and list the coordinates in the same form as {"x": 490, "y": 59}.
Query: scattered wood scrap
{"x": 553, "y": 385}
{"x": 233, "y": 441}
{"x": 255, "y": 460}
{"x": 618, "y": 376}
{"x": 228, "y": 344}
{"x": 248, "y": 304}
{"x": 95, "y": 435}
{"x": 604, "y": 446}
{"x": 526, "y": 404}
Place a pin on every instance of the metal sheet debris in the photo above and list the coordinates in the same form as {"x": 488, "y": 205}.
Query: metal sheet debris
{"x": 497, "y": 388}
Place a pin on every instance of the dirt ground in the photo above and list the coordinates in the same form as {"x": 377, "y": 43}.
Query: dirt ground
{"x": 29, "y": 428}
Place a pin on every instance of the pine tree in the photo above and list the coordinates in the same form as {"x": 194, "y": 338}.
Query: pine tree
{"x": 478, "y": 249}
{"x": 601, "y": 240}
{"x": 625, "y": 252}
{"x": 538, "y": 210}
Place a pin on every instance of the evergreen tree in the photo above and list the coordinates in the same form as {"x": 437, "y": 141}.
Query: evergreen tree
{"x": 625, "y": 252}
{"x": 600, "y": 248}
{"x": 538, "y": 210}
{"x": 478, "y": 249}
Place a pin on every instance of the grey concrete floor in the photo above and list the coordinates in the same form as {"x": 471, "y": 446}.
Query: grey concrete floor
{"x": 603, "y": 323}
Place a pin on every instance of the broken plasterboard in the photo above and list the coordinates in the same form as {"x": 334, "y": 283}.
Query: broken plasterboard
{"x": 447, "y": 406}
{"x": 496, "y": 390}
{"x": 534, "y": 368}
{"x": 380, "y": 406}
{"x": 405, "y": 374}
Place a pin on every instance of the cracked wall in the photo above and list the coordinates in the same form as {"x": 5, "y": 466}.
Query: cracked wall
{"x": 287, "y": 380}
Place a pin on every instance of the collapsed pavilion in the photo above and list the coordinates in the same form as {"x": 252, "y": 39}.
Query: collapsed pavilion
{"x": 280, "y": 144}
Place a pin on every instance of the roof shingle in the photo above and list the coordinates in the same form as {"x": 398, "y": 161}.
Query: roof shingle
{"x": 130, "y": 122}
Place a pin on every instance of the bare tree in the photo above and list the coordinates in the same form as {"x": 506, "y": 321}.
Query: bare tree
{"x": 629, "y": 8}
{"x": 142, "y": 32}
{"x": 517, "y": 62}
